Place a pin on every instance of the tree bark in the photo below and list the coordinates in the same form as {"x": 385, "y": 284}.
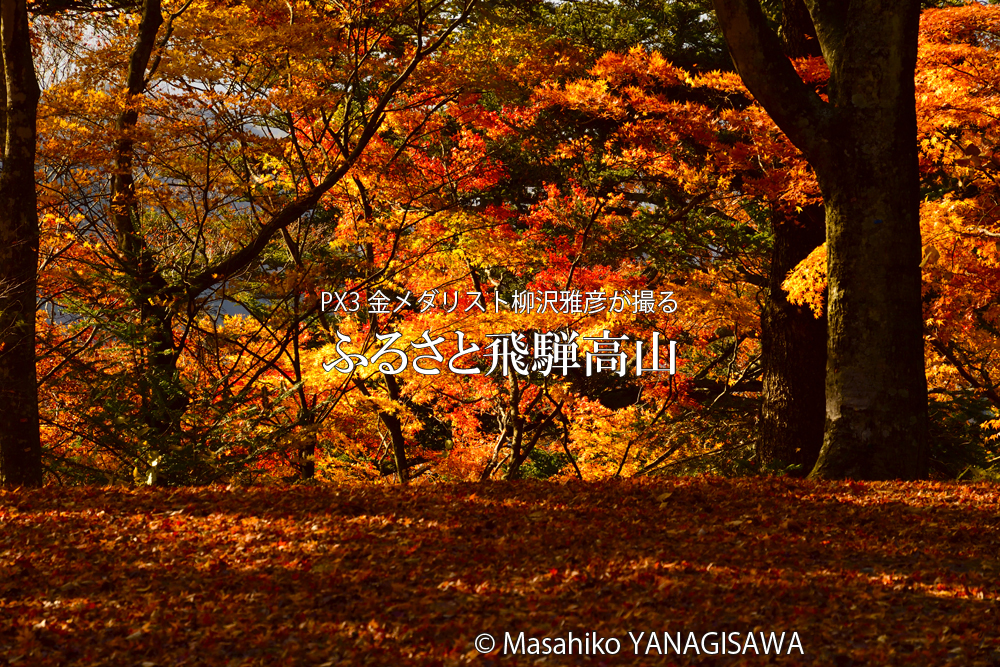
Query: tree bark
{"x": 20, "y": 445}
{"x": 163, "y": 398}
{"x": 798, "y": 35}
{"x": 793, "y": 355}
{"x": 395, "y": 428}
{"x": 793, "y": 341}
{"x": 516, "y": 422}
{"x": 862, "y": 145}
{"x": 877, "y": 407}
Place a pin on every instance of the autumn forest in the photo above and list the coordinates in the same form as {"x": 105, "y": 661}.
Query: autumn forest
{"x": 658, "y": 300}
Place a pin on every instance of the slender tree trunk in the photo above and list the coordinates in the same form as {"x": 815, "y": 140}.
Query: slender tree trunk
{"x": 163, "y": 399}
{"x": 307, "y": 414}
{"x": 395, "y": 429}
{"x": 521, "y": 451}
{"x": 394, "y": 426}
{"x": 20, "y": 446}
{"x": 793, "y": 354}
{"x": 518, "y": 453}
{"x": 516, "y": 421}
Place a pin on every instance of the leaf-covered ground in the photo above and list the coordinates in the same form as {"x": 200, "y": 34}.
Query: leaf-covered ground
{"x": 865, "y": 574}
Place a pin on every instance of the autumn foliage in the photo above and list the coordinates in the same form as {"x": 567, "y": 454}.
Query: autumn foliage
{"x": 881, "y": 573}
{"x": 326, "y": 289}
{"x": 274, "y": 154}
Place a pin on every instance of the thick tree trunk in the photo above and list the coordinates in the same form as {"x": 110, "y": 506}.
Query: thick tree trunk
{"x": 876, "y": 423}
{"x": 876, "y": 388}
{"x": 20, "y": 447}
{"x": 164, "y": 398}
{"x": 862, "y": 144}
{"x": 793, "y": 354}
{"x": 307, "y": 459}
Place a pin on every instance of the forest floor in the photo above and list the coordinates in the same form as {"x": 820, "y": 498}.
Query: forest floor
{"x": 851, "y": 573}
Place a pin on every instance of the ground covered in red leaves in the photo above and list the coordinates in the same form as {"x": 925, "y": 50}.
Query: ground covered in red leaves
{"x": 669, "y": 573}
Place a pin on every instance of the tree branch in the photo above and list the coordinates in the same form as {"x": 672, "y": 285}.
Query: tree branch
{"x": 768, "y": 74}
{"x": 291, "y": 212}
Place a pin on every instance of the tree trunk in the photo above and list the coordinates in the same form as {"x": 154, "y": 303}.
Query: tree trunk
{"x": 394, "y": 426}
{"x": 516, "y": 421}
{"x": 518, "y": 453}
{"x": 793, "y": 342}
{"x": 20, "y": 446}
{"x": 798, "y": 35}
{"x": 395, "y": 429}
{"x": 877, "y": 392}
{"x": 862, "y": 145}
{"x": 876, "y": 425}
{"x": 163, "y": 398}
{"x": 307, "y": 458}
{"x": 793, "y": 354}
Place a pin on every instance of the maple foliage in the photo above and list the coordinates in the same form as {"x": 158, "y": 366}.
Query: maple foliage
{"x": 635, "y": 193}
{"x": 877, "y": 573}
{"x": 134, "y": 277}
{"x": 960, "y": 220}
{"x": 516, "y": 158}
